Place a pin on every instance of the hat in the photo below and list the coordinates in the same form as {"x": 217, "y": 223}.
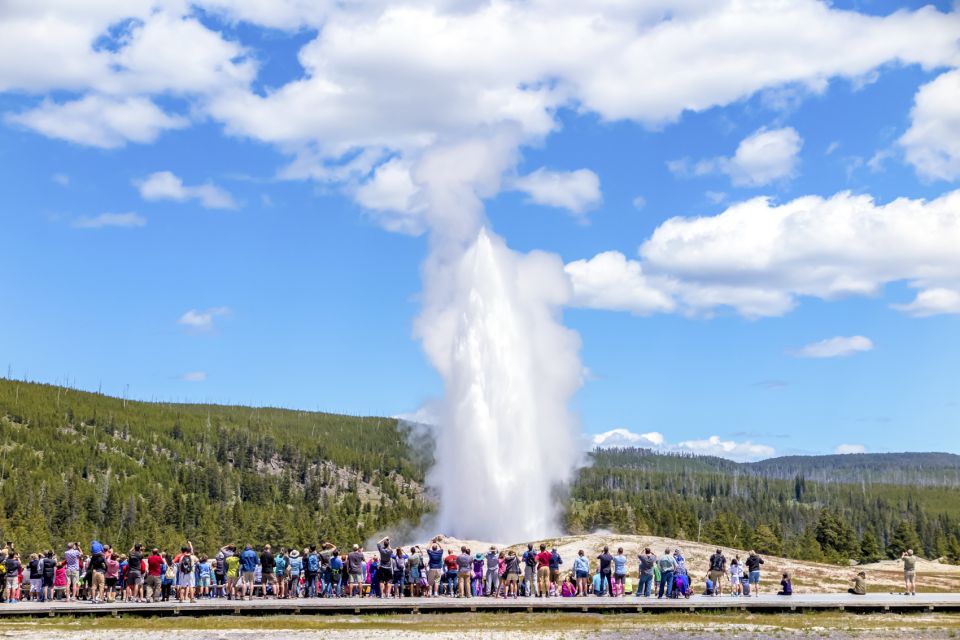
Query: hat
{"x": 479, "y": 556}
{"x": 294, "y": 553}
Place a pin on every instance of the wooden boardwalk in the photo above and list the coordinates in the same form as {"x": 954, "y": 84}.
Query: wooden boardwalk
{"x": 872, "y": 603}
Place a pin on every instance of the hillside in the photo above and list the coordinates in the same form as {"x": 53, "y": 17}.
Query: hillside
{"x": 773, "y": 504}
{"x": 77, "y": 464}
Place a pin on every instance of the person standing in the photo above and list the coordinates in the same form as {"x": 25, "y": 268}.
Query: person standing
{"x": 530, "y": 570}
{"x": 464, "y": 572}
{"x": 134, "y": 579}
{"x": 154, "y": 575}
{"x": 268, "y": 571}
{"x": 581, "y": 571}
{"x": 555, "y": 562}
{"x": 717, "y": 571}
{"x": 12, "y": 568}
{"x": 606, "y": 584}
{"x": 385, "y": 570}
{"x": 512, "y": 573}
{"x": 543, "y": 571}
{"x": 186, "y": 564}
{"x": 434, "y": 568}
{"x": 647, "y": 563}
{"x": 48, "y": 570}
{"x": 355, "y": 571}
{"x": 97, "y": 571}
{"x": 248, "y": 571}
{"x": 493, "y": 571}
{"x": 619, "y": 572}
{"x": 668, "y": 565}
{"x": 753, "y": 572}
{"x": 72, "y": 558}
{"x": 909, "y": 572}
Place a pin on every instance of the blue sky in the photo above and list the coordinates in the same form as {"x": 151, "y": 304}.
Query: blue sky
{"x": 235, "y": 278}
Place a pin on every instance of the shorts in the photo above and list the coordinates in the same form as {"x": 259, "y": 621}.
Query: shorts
{"x": 11, "y": 586}
{"x": 513, "y": 577}
{"x": 554, "y": 575}
{"x": 754, "y": 577}
{"x": 73, "y": 577}
{"x": 356, "y": 578}
{"x": 715, "y": 576}
{"x": 384, "y": 574}
{"x": 204, "y": 581}
{"x": 582, "y": 574}
{"x": 47, "y": 582}
{"x": 188, "y": 580}
{"x": 232, "y": 580}
{"x": 111, "y": 582}
{"x": 36, "y": 584}
{"x": 134, "y": 578}
{"x": 909, "y": 575}
{"x": 269, "y": 578}
{"x": 249, "y": 577}
{"x": 433, "y": 576}
{"x": 98, "y": 579}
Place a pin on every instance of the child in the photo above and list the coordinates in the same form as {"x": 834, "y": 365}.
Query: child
{"x": 859, "y": 585}
{"x": 708, "y": 591}
{"x": 736, "y": 576}
{"x": 786, "y": 587}
{"x": 60, "y": 581}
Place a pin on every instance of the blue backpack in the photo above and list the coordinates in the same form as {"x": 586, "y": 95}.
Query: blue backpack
{"x": 281, "y": 565}
{"x": 295, "y": 565}
{"x": 313, "y": 563}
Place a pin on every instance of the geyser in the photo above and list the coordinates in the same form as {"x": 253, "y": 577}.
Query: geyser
{"x": 506, "y": 438}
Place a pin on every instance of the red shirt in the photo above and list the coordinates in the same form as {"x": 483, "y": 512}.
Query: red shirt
{"x": 450, "y": 562}
{"x": 154, "y": 565}
{"x": 543, "y": 559}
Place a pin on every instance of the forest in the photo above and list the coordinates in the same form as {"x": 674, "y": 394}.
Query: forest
{"x": 76, "y": 465}
{"x": 874, "y": 506}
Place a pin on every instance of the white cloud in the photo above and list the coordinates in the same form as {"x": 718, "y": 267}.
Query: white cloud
{"x": 128, "y": 220}
{"x": 838, "y": 347}
{"x": 761, "y": 158}
{"x": 610, "y": 281}
{"x": 759, "y": 258}
{"x": 99, "y": 121}
{"x": 202, "y": 321}
{"x": 844, "y": 449}
{"x": 932, "y": 302}
{"x": 711, "y": 446}
{"x": 576, "y": 191}
{"x": 639, "y": 202}
{"x": 164, "y": 185}
{"x": 194, "y": 376}
{"x": 932, "y": 143}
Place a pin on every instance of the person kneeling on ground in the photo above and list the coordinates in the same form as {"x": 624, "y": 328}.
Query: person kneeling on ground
{"x": 786, "y": 587}
{"x": 859, "y": 585}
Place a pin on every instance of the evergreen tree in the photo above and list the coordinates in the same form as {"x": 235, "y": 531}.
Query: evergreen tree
{"x": 904, "y": 537}
{"x": 870, "y": 550}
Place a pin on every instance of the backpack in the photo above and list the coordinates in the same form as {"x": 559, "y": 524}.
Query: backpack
{"x": 170, "y": 575}
{"x": 295, "y": 564}
{"x": 716, "y": 563}
{"x": 530, "y": 559}
{"x": 281, "y": 565}
{"x": 186, "y": 564}
{"x": 313, "y": 563}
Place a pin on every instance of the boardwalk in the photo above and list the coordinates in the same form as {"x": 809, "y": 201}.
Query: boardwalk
{"x": 352, "y": 606}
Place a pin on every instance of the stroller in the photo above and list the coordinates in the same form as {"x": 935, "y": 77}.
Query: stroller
{"x": 681, "y": 585}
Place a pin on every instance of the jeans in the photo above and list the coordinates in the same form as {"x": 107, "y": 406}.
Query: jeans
{"x": 493, "y": 581}
{"x": 530, "y": 580}
{"x": 643, "y": 587}
{"x": 666, "y": 581}
{"x": 605, "y": 586}
{"x": 451, "y": 580}
{"x": 311, "y": 585}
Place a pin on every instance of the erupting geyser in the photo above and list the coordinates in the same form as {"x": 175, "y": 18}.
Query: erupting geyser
{"x": 505, "y": 438}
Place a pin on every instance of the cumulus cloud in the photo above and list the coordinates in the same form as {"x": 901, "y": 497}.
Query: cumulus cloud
{"x": 711, "y": 446}
{"x": 99, "y": 121}
{"x": 844, "y": 449}
{"x": 932, "y": 143}
{"x": 759, "y": 258}
{"x": 194, "y": 376}
{"x": 576, "y": 191}
{"x": 838, "y": 347}
{"x": 933, "y": 302}
{"x": 127, "y": 220}
{"x": 164, "y": 185}
{"x": 761, "y": 158}
{"x": 202, "y": 321}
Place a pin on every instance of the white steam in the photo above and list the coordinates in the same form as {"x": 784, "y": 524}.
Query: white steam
{"x": 491, "y": 327}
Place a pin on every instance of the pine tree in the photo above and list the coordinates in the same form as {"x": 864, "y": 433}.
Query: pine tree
{"x": 765, "y": 541}
{"x": 904, "y": 537}
{"x": 870, "y": 550}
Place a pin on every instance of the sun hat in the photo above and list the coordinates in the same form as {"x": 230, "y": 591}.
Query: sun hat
{"x": 294, "y": 553}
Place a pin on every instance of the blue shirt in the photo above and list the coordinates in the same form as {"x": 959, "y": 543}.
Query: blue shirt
{"x": 555, "y": 561}
{"x": 580, "y": 563}
{"x": 248, "y": 560}
{"x": 435, "y": 559}
{"x": 620, "y": 565}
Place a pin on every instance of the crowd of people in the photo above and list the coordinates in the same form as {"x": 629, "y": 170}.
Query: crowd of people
{"x": 103, "y": 574}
